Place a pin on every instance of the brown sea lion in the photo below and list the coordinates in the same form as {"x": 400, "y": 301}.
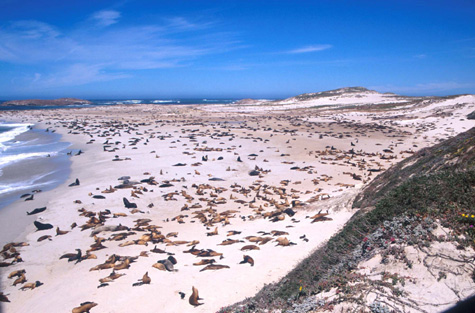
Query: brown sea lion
{"x": 193, "y": 298}
{"x": 31, "y": 285}
{"x": 146, "y": 280}
{"x": 247, "y": 259}
{"x": 213, "y": 267}
{"x": 84, "y": 307}
{"x": 60, "y": 232}
{"x": 20, "y": 280}
{"x": 205, "y": 262}
{"x": 16, "y": 273}
{"x": 250, "y": 247}
{"x": 72, "y": 256}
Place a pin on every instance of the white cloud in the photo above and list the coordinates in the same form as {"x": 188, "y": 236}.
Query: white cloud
{"x": 96, "y": 54}
{"x": 307, "y": 49}
{"x": 106, "y": 17}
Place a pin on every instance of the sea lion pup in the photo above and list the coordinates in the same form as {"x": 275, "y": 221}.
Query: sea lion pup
{"x": 36, "y": 211}
{"x": 213, "y": 267}
{"x": 41, "y": 226}
{"x": 168, "y": 263}
{"x": 195, "y": 297}
{"x": 128, "y": 204}
{"x": 84, "y": 307}
{"x": 146, "y": 280}
{"x": 3, "y": 298}
{"x": 60, "y": 232}
{"x": 247, "y": 259}
{"x": 31, "y": 285}
{"x": 72, "y": 256}
{"x": 76, "y": 183}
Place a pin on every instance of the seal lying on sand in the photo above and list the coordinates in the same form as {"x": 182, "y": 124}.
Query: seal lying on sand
{"x": 41, "y": 226}
{"x": 84, "y": 307}
{"x": 36, "y": 211}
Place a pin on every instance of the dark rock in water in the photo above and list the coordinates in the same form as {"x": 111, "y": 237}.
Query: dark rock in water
{"x": 129, "y": 205}
{"x": 254, "y": 173}
{"x": 471, "y": 116}
{"x": 216, "y": 179}
{"x": 42, "y": 226}
{"x": 76, "y": 183}
{"x": 36, "y": 211}
{"x": 165, "y": 185}
{"x": 98, "y": 197}
{"x": 180, "y": 164}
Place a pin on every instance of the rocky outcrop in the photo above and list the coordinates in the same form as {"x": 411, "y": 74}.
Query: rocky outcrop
{"x": 41, "y": 102}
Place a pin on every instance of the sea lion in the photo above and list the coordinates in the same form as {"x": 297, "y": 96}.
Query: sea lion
{"x": 283, "y": 241}
{"x": 98, "y": 197}
{"x": 169, "y": 263}
{"x": 84, "y": 307}
{"x": 129, "y": 205}
{"x": 205, "y": 262}
{"x": 193, "y": 300}
{"x": 247, "y": 259}
{"x": 60, "y": 232}
{"x": 3, "y": 298}
{"x": 213, "y": 233}
{"x": 213, "y": 267}
{"x": 72, "y": 256}
{"x": 31, "y": 285}
{"x": 16, "y": 273}
{"x": 146, "y": 280}
{"x": 36, "y": 211}
{"x": 20, "y": 280}
{"x": 76, "y": 183}
{"x": 250, "y": 247}
{"x": 41, "y": 226}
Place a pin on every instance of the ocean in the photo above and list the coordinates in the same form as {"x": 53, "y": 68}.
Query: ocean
{"x": 30, "y": 160}
{"x": 104, "y": 102}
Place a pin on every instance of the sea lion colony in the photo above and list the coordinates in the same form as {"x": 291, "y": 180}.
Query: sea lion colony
{"x": 147, "y": 212}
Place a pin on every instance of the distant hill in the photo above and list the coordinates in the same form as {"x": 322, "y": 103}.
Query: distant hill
{"x": 40, "y": 102}
{"x": 334, "y": 92}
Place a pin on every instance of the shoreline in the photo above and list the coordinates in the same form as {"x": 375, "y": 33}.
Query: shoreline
{"x": 299, "y": 159}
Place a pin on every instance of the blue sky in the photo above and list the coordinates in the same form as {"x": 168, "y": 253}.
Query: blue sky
{"x": 247, "y": 48}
